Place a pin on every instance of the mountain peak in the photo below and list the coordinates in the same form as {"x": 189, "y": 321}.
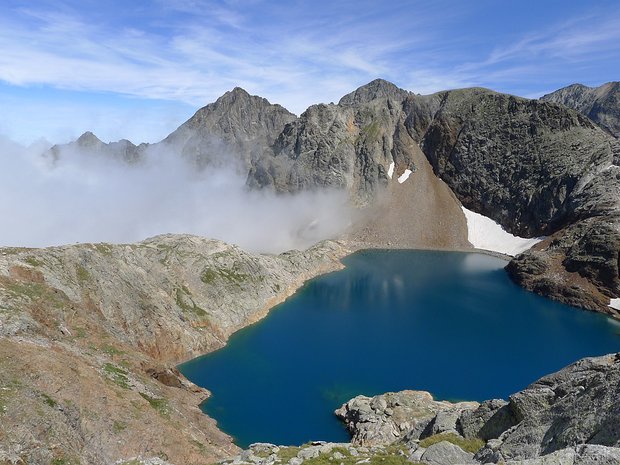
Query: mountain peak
{"x": 88, "y": 139}
{"x": 379, "y": 88}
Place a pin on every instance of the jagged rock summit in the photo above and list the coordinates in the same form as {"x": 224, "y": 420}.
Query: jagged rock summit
{"x": 600, "y": 104}
{"x": 410, "y": 162}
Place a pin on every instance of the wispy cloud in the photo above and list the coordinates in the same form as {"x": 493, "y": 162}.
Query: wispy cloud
{"x": 192, "y": 51}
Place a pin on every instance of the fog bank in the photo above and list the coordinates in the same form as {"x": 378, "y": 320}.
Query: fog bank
{"x": 87, "y": 197}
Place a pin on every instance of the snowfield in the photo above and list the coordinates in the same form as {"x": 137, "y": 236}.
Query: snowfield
{"x": 484, "y": 233}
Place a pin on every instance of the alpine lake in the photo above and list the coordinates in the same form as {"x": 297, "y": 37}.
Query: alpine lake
{"x": 450, "y": 323}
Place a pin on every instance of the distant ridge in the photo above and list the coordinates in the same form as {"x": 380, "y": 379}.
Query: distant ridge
{"x": 600, "y": 104}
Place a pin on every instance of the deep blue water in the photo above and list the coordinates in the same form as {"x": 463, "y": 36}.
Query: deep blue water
{"x": 446, "y": 322}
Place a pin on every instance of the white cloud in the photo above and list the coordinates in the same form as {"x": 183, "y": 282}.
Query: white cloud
{"x": 89, "y": 198}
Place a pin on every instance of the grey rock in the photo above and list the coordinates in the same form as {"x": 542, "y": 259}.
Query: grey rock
{"x": 577, "y": 455}
{"x": 410, "y": 412}
{"x": 577, "y": 405}
{"x": 236, "y": 128}
{"x": 600, "y": 104}
{"x": 446, "y": 453}
{"x": 488, "y": 421}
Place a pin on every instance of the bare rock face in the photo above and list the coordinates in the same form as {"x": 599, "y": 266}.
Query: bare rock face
{"x": 537, "y": 169}
{"x": 236, "y": 128}
{"x": 88, "y": 145}
{"x": 577, "y": 405}
{"x": 404, "y": 415}
{"x": 349, "y": 145}
{"x": 600, "y": 104}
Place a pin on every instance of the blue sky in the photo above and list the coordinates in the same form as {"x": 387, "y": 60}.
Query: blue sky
{"x": 137, "y": 69}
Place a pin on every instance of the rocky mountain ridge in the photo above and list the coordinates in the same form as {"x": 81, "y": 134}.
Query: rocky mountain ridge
{"x": 535, "y": 167}
{"x": 600, "y": 104}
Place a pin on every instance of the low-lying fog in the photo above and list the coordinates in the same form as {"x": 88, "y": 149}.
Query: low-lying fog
{"x": 86, "y": 197}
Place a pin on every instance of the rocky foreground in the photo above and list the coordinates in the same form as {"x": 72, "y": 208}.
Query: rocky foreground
{"x": 571, "y": 417}
{"x": 90, "y": 334}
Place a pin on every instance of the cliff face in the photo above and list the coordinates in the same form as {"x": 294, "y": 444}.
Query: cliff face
{"x": 349, "y": 145}
{"x": 88, "y": 334}
{"x": 536, "y": 167}
{"x": 238, "y": 127}
{"x": 600, "y": 104}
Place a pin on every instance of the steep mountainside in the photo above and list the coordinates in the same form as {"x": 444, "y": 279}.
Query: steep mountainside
{"x": 237, "y": 125}
{"x": 349, "y": 145}
{"x": 600, "y": 104}
{"x": 410, "y": 161}
{"x": 88, "y": 335}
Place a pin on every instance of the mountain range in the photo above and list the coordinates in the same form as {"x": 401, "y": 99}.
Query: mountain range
{"x": 540, "y": 168}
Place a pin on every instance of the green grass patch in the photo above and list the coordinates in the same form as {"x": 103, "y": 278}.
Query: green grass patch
{"x": 185, "y": 302}
{"x": 119, "y": 427}
{"x": 117, "y": 375}
{"x": 103, "y": 249}
{"x": 36, "y": 292}
{"x": 49, "y": 401}
{"x": 79, "y": 332}
{"x": 111, "y": 350}
{"x": 82, "y": 273}
{"x": 287, "y": 453}
{"x": 33, "y": 261}
{"x": 159, "y": 404}
{"x": 468, "y": 445}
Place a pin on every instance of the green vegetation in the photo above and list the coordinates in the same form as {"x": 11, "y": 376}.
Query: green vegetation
{"x": 371, "y": 133}
{"x": 82, "y": 273}
{"x": 48, "y": 400}
{"x": 32, "y": 261}
{"x": 211, "y": 275}
{"x": 159, "y": 404}
{"x": 287, "y": 453}
{"x": 80, "y": 332}
{"x": 469, "y": 445}
{"x": 117, "y": 375}
{"x": 119, "y": 427}
{"x": 111, "y": 350}
{"x": 103, "y": 248}
{"x": 187, "y": 304}
{"x": 34, "y": 292}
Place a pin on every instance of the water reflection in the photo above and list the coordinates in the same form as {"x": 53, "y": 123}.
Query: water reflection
{"x": 450, "y": 323}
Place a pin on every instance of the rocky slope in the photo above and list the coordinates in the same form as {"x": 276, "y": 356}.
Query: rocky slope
{"x": 600, "y": 104}
{"x": 89, "y": 333}
{"x": 236, "y": 128}
{"x": 569, "y": 417}
{"x": 537, "y": 168}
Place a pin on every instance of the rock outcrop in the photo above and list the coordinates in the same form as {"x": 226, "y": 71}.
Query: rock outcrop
{"x": 89, "y": 334}
{"x": 600, "y": 104}
{"x": 386, "y": 418}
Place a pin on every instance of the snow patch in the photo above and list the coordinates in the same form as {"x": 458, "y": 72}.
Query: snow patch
{"x": 403, "y": 177}
{"x": 484, "y": 233}
{"x": 614, "y": 303}
{"x": 391, "y": 170}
